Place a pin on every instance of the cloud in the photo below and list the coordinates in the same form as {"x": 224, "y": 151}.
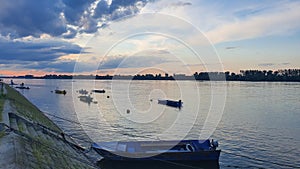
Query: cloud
{"x": 36, "y": 51}
{"x": 231, "y": 47}
{"x": 285, "y": 63}
{"x": 266, "y": 64}
{"x": 21, "y": 18}
{"x": 69, "y": 66}
{"x": 61, "y": 18}
{"x": 41, "y": 55}
{"x": 234, "y": 20}
{"x": 75, "y": 10}
{"x": 283, "y": 18}
{"x": 180, "y": 3}
{"x": 274, "y": 64}
{"x": 117, "y": 10}
{"x": 147, "y": 58}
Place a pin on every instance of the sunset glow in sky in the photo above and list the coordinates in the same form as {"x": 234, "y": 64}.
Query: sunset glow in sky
{"x": 133, "y": 36}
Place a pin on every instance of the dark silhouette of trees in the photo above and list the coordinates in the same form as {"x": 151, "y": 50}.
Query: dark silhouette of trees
{"x": 289, "y": 75}
{"x": 266, "y": 75}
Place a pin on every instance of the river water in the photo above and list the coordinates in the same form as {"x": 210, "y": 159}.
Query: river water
{"x": 258, "y": 127}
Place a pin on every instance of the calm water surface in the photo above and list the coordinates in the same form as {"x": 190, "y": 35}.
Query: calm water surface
{"x": 259, "y": 127}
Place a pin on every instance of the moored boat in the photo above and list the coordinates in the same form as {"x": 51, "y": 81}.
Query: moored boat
{"x": 174, "y": 151}
{"x": 98, "y": 90}
{"x": 60, "y": 91}
{"x": 85, "y": 98}
{"x": 171, "y": 103}
{"x": 83, "y": 91}
{"x": 22, "y": 87}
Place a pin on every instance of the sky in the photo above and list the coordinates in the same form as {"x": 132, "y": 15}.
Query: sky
{"x": 147, "y": 36}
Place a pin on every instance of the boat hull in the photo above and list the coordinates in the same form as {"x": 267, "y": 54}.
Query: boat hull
{"x": 157, "y": 164}
{"x": 171, "y": 103}
{"x": 98, "y": 91}
{"x": 211, "y": 155}
{"x": 21, "y": 87}
{"x": 162, "y": 153}
{"x": 60, "y": 92}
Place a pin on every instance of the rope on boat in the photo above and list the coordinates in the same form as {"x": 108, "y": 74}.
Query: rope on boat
{"x": 261, "y": 160}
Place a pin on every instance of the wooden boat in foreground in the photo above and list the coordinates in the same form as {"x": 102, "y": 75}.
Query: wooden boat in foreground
{"x": 174, "y": 151}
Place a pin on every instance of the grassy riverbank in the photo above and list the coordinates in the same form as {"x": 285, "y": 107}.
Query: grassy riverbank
{"x": 27, "y": 109}
{"x": 29, "y": 139}
{"x": 1, "y": 106}
{"x": 2, "y": 97}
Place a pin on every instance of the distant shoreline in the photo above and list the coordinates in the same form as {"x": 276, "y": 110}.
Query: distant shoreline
{"x": 156, "y": 80}
{"x": 285, "y": 75}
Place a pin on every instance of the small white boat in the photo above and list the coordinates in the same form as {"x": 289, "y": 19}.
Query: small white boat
{"x": 83, "y": 91}
{"x": 85, "y": 98}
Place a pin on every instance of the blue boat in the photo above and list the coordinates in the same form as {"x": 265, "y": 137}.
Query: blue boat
{"x": 22, "y": 87}
{"x": 174, "y": 151}
{"x": 171, "y": 103}
{"x": 60, "y": 91}
{"x": 98, "y": 91}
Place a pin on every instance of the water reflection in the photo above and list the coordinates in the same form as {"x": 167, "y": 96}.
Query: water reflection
{"x": 257, "y": 116}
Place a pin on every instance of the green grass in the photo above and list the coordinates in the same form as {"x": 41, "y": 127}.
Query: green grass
{"x": 1, "y": 107}
{"x": 2, "y": 97}
{"x": 20, "y": 126}
{"x": 37, "y": 153}
{"x": 28, "y": 110}
{"x": 2, "y": 133}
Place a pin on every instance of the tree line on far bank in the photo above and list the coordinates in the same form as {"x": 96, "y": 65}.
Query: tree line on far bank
{"x": 252, "y": 75}
{"x": 292, "y": 75}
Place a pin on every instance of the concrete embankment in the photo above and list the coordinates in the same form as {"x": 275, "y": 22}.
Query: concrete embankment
{"x": 28, "y": 139}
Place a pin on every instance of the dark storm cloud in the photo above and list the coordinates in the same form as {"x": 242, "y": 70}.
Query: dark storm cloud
{"x": 43, "y": 55}
{"x": 119, "y": 6}
{"x": 74, "y": 10}
{"x": 57, "y": 18}
{"x": 35, "y": 51}
{"x": 61, "y": 66}
{"x": 66, "y": 66}
{"x": 21, "y": 18}
{"x": 65, "y": 18}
